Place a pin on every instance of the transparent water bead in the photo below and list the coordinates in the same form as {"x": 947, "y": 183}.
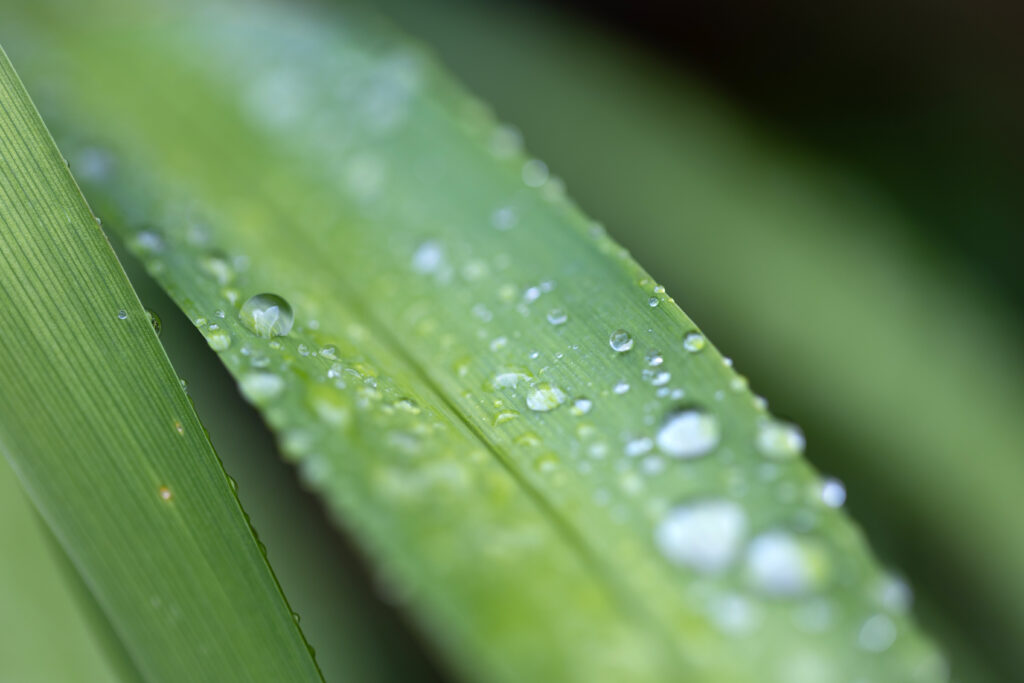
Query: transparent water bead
{"x": 122, "y": 314}
{"x": 877, "y": 633}
{"x": 557, "y": 316}
{"x": 689, "y": 433}
{"x": 654, "y": 358}
{"x": 581, "y": 406}
{"x": 267, "y": 315}
{"x": 694, "y": 342}
{"x": 545, "y": 397}
{"x": 260, "y": 387}
{"x": 218, "y": 339}
{"x": 781, "y": 564}
{"x": 779, "y": 440}
{"x": 705, "y": 536}
{"x": 620, "y": 341}
{"x": 428, "y": 257}
{"x": 833, "y": 493}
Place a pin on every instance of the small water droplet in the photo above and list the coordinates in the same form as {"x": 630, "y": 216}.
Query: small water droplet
{"x": 219, "y": 268}
{"x": 154, "y": 320}
{"x": 654, "y": 358}
{"x": 498, "y": 343}
{"x": 122, "y": 314}
{"x": 267, "y": 315}
{"x": 694, "y": 342}
{"x": 557, "y": 316}
{"x": 833, "y": 493}
{"x": 179, "y": 427}
{"x": 620, "y": 341}
{"x": 877, "y": 633}
{"x": 639, "y": 446}
{"x": 544, "y": 397}
{"x": 689, "y": 433}
{"x": 704, "y": 536}
{"x": 503, "y": 416}
{"x": 779, "y": 440}
{"x": 535, "y": 173}
{"x": 165, "y": 493}
{"x": 781, "y": 564}
{"x": 658, "y": 378}
{"x": 260, "y": 387}
{"x": 652, "y": 302}
{"x": 620, "y": 388}
{"x": 428, "y": 257}
{"x": 581, "y": 406}
{"x": 218, "y": 339}
{"x": 504, "y": 218}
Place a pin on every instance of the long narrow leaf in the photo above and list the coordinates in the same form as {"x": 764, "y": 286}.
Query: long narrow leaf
{"x": 96, "y": 424}
{"x": 565, "y": 481}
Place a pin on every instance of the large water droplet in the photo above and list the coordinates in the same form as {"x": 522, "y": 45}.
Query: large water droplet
{"x": 544, "y": 397}
{"x": 689, "y": 433}
{"x": 620, "y": 341}
{"x": 779, "y": 440}
{"x": 704, "y": 536}
{"x": 267, "y": 315}
{"x": 781, "y": 564}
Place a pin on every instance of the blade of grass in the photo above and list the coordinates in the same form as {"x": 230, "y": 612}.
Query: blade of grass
{"x": 97, "y": 427}
{"x": 425, "y": 389}
{"x": 38, "y": 607}
{"x": 735, "y": 219}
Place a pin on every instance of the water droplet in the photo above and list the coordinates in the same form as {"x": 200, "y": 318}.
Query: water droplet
{"x": 407, "y": 405}
{"x": 504, "y": 218}
{"x": 780, "y": 564}
{"x": 658, "y": 378}
{"x": 654, "y": 358}
{"x": 179, "y": 427}
{"x": 652, "y": 302}
{"x": 428, "y": 257}
{"x": 504, "y": 416}
{"x": 154, "y": 320}
{"x": 260, "y": 387}
{"x": 877, "y": 633}
{"x": 165, "y": 493}
{"x": 557, "y": 316}
{"x": 581, "y": 406}
{"x": 267, "y": 315}
{"x": 833, "y": 493}
{"x": 535, "y": 173}
{"x": 694, "y": 342}
{"x": 689, "y": 433}
{"x": 122, "y": 314}
{"x": 218, "y": 339}
{"x": 219, "y": 268}
{"x": 149, "y": 241}
{"x": 544, "y": 397}
{"x": 704, "y": 536}
{"x": 639, "y": 446}
{"x": 498, "y": 343}
{"x": 779, "y": 440}
{"x": 620, "y": 341}
{"x": 620, "y": 388}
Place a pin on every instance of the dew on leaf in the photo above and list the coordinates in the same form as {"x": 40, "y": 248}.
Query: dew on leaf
{"x": 705, "y": 536}
{"x": 267, "y": 315}
{"x": 689, "y": 433}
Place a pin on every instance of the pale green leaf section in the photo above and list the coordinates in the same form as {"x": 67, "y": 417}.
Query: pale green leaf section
{"x": 450, "y": 385}
{"x": 38, "y": 607}
{"x": 96, "y": 424}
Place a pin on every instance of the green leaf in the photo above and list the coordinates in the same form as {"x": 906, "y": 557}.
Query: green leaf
{"x": 101, "y": 434}
{"x": 527, "y": 483}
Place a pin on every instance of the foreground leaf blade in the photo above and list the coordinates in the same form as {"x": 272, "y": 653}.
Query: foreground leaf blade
{"x": 451, "y": 307}
{"x": 101, "y": 434}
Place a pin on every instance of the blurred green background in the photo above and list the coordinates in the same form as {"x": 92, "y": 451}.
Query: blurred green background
{"x": 832, "y": 192}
